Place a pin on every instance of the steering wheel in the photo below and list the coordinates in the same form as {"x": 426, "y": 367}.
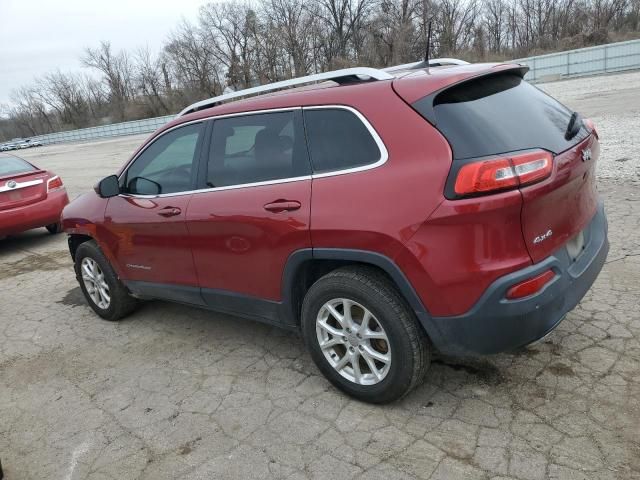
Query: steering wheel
{"x": 178, "y": 175}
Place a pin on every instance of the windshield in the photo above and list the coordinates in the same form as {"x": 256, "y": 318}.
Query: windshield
{"x": 10, "y": 165}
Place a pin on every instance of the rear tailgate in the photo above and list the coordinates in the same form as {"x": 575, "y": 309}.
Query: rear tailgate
{"x": 499, "y": 117}
{"x": 558, "y": 209}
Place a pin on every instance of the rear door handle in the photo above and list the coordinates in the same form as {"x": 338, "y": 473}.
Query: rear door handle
{"x": 170, "y": 211}
{"x": 282, "y": 206}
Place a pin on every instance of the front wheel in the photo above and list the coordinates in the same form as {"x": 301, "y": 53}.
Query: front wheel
{"x": 105, "y": 293}
{"x": 363, "y": 336}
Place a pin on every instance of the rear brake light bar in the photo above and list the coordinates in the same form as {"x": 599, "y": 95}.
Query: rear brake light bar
{"x": 503, "y": 173}
{"x": 54, "y": 183}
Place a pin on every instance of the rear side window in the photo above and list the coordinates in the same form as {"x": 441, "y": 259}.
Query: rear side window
{"x": 338, "y": 140}
{"x": 10, "y": 165}
{"x": 498, "y": 114}
{"x": 257, "y": 148}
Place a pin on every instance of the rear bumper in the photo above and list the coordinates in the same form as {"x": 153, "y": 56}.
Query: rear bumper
{"x": 39, "y": 214}
{"x": 496, "y": 324}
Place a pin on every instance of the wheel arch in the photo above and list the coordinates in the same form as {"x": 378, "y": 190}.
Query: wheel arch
{"x": 305, "y": 266}
{"x": 75, "y": 240}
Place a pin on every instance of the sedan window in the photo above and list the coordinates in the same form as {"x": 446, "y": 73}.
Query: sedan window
{"x": 10, "y": 165}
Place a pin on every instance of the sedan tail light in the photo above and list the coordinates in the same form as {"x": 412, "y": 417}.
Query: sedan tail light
{"x": 502, "y": 173}
{"x": 54, "y": 183}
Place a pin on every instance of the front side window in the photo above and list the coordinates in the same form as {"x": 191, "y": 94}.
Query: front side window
{"x": 167, "y": 165}
{"x": 338, "y": 140}
{"x": 256, "y": 148}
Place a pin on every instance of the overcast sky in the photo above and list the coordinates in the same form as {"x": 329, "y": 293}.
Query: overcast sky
{"x": 40, "y": 36}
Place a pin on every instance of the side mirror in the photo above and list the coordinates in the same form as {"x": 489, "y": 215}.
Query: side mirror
{"x": 108, "y": 187}
{"x": 143, "y": 186}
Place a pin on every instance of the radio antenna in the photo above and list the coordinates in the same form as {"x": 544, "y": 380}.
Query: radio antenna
{"x": 426, "y": 53}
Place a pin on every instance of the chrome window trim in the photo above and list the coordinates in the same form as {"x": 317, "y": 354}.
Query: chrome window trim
{"x": 19, "y": 185}
{"x": 217, "y": 189}
{"x": 384, "y": 154}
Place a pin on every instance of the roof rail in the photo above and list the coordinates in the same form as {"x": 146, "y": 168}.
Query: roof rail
{"x": 433, "y": 62}
{"x": 346, "y": 75}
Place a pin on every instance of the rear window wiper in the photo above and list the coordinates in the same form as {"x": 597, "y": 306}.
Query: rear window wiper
{"x": 575, "y": 123}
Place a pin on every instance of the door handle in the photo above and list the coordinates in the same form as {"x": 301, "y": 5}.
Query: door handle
{"x": 282, "y": 206}
{"x": 170, "y": 211}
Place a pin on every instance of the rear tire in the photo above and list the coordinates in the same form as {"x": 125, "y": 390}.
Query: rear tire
{"x": 105, "y": 293}
{"x": 387, "y": 350}
{"x": 54, "y": 228}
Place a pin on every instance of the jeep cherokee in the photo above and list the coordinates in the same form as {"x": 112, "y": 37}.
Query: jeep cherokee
{"x": 383, "y": 214}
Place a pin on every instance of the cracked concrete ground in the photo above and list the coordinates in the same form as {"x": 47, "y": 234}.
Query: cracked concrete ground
{"x": 175, "y": 392}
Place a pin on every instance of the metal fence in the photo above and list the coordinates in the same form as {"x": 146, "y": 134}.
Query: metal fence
{"x": 614, "y": 57}
{"x": 113, "y": 130}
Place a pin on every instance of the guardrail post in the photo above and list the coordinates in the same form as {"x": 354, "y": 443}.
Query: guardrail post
{"x": 533, "y": 69}
{"x": 606, "y": 57}
{"x": 568, "y": 64}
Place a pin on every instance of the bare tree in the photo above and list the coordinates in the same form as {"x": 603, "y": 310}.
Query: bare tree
{"x": 117, "y": 72}
{"x": 292, "y": 22}
{"x": 240, "y": 43}
{"x": 192, "y": 63}
{"x": 456, "y": 22}
{"x": 149, "y": 82}
{"x": 495, "y": 20}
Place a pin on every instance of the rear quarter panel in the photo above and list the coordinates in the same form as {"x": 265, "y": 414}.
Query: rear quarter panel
{"x": 382, "y": 208}
{"x": 462, "y": 248}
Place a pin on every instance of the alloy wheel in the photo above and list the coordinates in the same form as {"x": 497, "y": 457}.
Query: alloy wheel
{"x": 95, "y": 283}
{"x": 353, "y": 341}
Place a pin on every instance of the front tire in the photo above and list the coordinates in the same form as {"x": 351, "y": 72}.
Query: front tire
{"x": 363, "y": 336}
{"x": 105, "y": 293}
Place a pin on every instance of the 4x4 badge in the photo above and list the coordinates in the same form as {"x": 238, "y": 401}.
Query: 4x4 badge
{"x": 586, "y": 154}
{"x": 543, "y": 237}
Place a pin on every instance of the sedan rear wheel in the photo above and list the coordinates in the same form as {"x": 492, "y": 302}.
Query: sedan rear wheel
{"x": 54, "y": 228}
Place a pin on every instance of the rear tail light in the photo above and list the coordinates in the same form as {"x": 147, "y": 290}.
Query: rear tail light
{"x": 530, "y": 286}
{"x": 54, "y": 183}
{"x": 503, "y": 173}
{"x": 591, "y": 126}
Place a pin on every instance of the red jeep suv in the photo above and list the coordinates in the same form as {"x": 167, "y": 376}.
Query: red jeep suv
{"x": 382, "y": 213}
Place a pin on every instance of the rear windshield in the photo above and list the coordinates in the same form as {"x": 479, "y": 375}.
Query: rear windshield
{"x": 10, "y": 165}
{"x": 499, "y": 114}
